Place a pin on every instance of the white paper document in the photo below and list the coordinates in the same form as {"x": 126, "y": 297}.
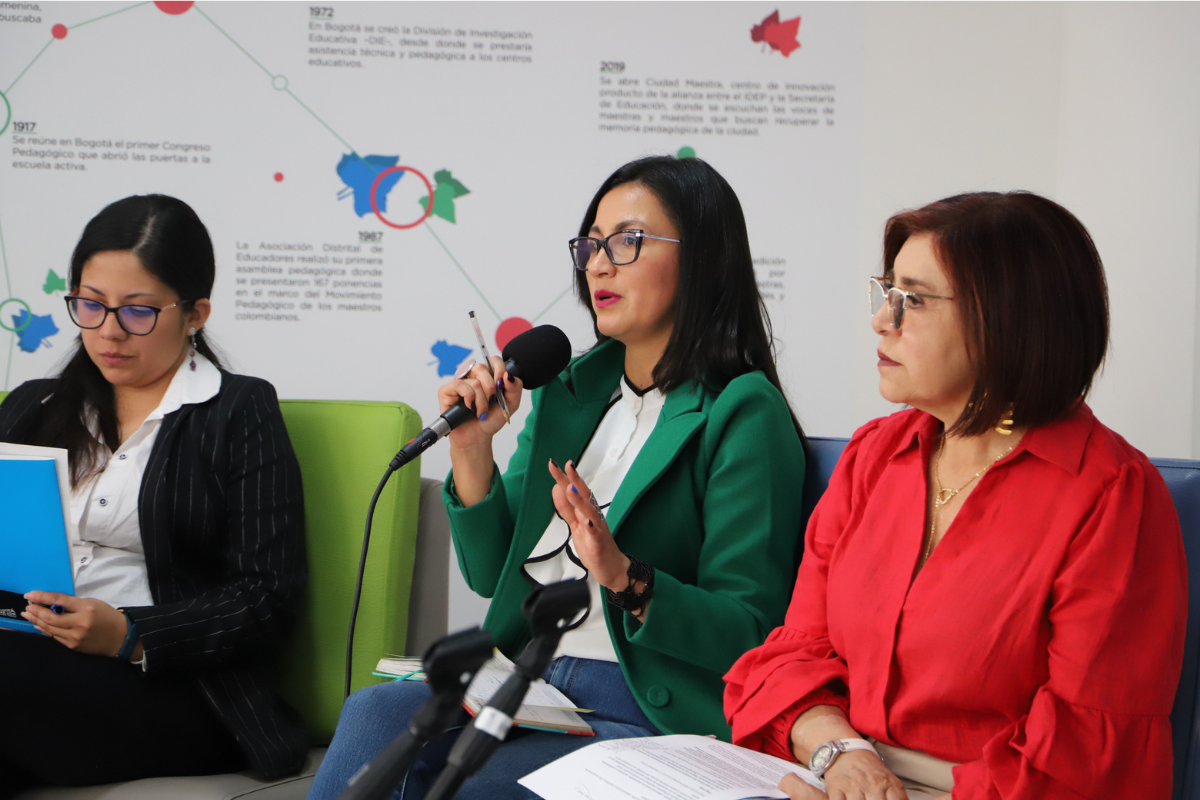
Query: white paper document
{"x": 495, "y": 672}
{"x": 664, "y": 768}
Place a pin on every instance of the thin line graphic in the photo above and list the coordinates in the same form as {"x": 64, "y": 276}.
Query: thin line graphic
{"x": 272, "y": 76}
{"x": 464, "y": 272}
{"x": 4, "y": 261}
{"x": 109, "y": 14}
{"x": 234, "y": 41}
{"x": 12, "y": 340}
{"x": 326, "y": 125}
{"x": 27, "y": 66}
{"x": 553, "y": 303}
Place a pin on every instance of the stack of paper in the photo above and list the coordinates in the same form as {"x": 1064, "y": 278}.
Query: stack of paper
{"x": 545, "y": 708}
{"x": 664, "y": 768}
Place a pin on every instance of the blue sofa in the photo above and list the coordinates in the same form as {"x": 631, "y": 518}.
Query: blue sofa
{"x": 1183, "y": 479}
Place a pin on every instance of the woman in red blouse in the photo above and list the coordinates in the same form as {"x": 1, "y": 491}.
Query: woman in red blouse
{"x": 994, "y": 580}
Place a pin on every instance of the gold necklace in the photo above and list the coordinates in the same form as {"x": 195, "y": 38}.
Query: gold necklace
{"x": 944, "y": 495}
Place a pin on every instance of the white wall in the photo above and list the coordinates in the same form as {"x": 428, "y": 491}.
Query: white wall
{"x": 1129, "y": 166}
{"x": 1096, "y": 105}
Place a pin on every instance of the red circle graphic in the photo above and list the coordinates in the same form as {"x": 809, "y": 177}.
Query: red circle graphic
{"x": 509, "y": 329}
{"x": 375, "y": 205}
{"x": 173, "y": 6}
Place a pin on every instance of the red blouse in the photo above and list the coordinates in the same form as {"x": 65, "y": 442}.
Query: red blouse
{"x": 1039, "y": 647}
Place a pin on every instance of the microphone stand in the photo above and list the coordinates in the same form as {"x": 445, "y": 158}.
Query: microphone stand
{"x": 548, "y": 610}
{"x": 450, "y": 663}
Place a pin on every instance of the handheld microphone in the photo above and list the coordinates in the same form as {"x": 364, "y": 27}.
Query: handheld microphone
{"x": 549, "y": 610}
{"x": 534, "y": 357}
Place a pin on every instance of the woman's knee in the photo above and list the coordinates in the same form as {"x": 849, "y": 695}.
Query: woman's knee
{"x": 383, "y": 706}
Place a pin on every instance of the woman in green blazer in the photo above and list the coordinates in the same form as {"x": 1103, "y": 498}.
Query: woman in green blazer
{"x": 664, "y": 466}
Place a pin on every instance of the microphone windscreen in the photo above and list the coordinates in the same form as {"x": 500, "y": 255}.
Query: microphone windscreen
{"x": 537, "y": 355}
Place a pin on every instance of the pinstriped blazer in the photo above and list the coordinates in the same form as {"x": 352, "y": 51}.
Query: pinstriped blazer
{"x": 222, "y": 522}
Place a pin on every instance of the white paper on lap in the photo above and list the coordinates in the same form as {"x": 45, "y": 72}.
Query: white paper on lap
{"x": 664, "y": 768}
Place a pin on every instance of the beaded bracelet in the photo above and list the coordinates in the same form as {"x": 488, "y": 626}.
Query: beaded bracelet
{"x": 627, "y": 599}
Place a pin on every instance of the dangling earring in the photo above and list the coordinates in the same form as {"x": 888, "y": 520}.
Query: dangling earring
{"x": 1006, "y": 422}
{"x": 192, "y": 347}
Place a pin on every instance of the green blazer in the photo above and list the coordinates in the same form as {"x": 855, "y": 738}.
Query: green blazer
{"x": 712, "y": 502}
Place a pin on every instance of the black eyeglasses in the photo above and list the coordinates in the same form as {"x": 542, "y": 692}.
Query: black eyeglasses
{"x": 137, "y": 320}
{"x": 622, "y": 247}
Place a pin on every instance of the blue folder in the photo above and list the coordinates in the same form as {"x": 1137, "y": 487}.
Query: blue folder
{"x": 34, "y": 553}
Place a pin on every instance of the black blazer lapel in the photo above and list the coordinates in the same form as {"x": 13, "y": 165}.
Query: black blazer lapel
{"x": 154, "y": 504}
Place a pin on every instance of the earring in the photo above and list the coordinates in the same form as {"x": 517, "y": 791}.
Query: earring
{"x": 192, "y": 347}
{"x": 1006, "y": 422}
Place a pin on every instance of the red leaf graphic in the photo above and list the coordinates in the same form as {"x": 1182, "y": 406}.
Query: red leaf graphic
{"x": 779, "y": 34}
{"x": 758, "y": 32}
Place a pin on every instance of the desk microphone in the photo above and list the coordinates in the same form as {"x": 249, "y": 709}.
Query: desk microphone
{"x": 549, "y": 610}
{"x": 450, "y": 664}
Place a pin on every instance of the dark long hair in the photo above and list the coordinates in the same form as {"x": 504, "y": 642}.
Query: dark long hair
{"x": 1033, "y": 299}
{"x": 173, "y": 246}
{"x": 721, "y": 328}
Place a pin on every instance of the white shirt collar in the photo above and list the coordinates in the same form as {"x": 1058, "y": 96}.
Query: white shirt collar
{"x": 189, "y": 386}
{"x": 652, "y": 398}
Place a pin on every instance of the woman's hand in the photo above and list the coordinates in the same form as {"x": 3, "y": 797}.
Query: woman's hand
{"x": 861, "y": 775}
{"x": 477, "y": 389}
{"x": 87, "y": 625}
{"x": 589, "y": 531}
{"x": 855, "y": 775}
{"x": 797, "y": 789}
{"x": 471, "y": 442}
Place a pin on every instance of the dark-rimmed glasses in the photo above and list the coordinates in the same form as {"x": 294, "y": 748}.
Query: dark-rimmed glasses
{"x": 137, "y": 320}
{"x": 882, "y": 291}
{"x": 622, "y": 247}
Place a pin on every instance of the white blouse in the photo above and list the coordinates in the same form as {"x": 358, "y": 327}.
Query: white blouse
{"x": 604, "y": 463}
{"x": 108, "y": 559}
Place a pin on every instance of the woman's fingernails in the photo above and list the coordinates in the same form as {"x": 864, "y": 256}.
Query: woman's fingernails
{"x": 483, "y": 417}
{"x": 556, "y": 466}
{"x": 573, "y": 489}
{"x": 500, "y": 383}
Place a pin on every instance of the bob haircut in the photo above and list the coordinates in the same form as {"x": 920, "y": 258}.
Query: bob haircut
{"x": 1032, "y": 298}
{"x": 721, "y": 328}
{"x": 174, "y": 246}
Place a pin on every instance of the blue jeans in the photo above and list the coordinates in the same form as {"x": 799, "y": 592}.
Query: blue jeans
{"x": 374, "y": 716}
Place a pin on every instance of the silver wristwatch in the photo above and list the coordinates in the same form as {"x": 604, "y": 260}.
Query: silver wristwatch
{"x": 823, "y": 757}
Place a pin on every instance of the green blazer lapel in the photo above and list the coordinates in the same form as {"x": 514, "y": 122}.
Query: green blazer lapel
{"x": 566, "y": 421}
{"x": 681, "y": 417}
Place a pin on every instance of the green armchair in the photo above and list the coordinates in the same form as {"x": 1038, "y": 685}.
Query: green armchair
{"x": 343, "y": 448}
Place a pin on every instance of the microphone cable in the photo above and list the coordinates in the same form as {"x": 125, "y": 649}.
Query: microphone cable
{"x": 358, "y": 584}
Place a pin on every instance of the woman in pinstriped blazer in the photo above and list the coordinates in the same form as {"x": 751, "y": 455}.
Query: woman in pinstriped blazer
{"x": 190, "y": 557}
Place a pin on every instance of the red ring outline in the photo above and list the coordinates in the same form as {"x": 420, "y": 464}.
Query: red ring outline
{"x": 375, "y": 205}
